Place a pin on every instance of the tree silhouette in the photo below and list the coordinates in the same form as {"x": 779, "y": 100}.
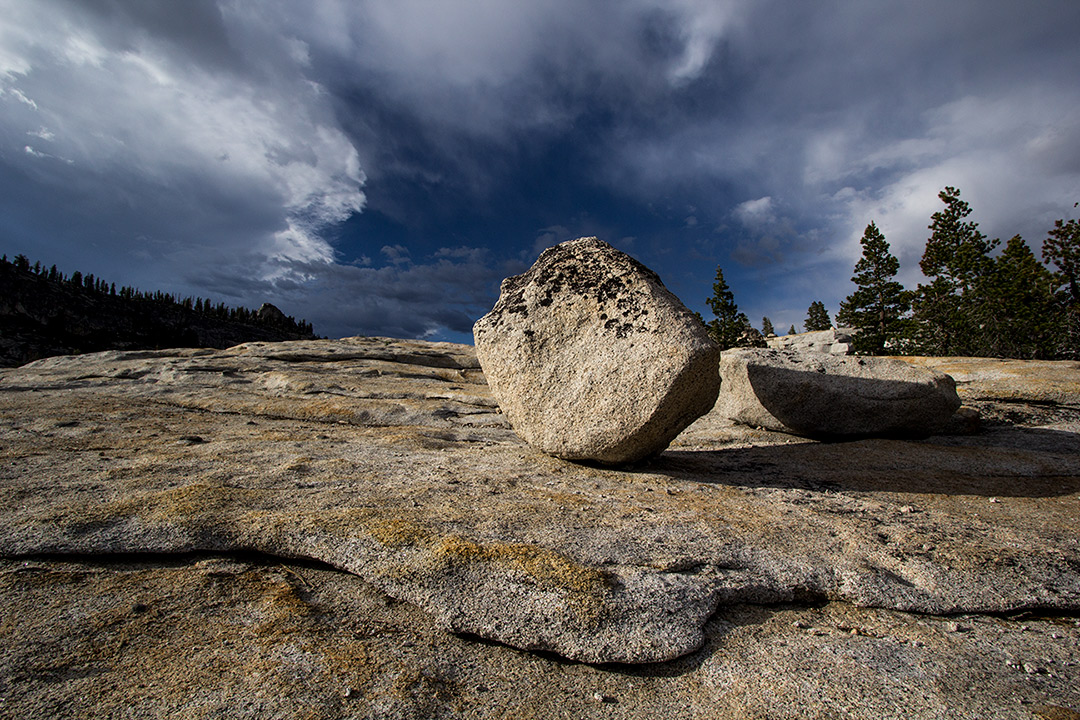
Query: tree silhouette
{"x": 1062, "y": 248}
{"x": 817, "y": 317}
{"x": 1016, "y": 311}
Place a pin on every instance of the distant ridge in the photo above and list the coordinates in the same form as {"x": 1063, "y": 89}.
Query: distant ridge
{"x": 44, "y": 313}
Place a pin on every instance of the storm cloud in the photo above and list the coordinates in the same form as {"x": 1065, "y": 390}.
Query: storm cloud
{"x": 378, "y": 166}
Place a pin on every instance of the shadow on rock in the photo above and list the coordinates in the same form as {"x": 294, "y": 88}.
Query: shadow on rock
{"x": 1018, "y": 462}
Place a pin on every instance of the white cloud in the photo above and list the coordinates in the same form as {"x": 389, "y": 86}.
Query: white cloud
{"x": 702, "y": 24}
{"x": 756, "y": 212}
{"x": 184, "y": 139}
{"x": 395, "y": 254}
{"x": 1015, "y": 158}
{"x": 18, "y": 95}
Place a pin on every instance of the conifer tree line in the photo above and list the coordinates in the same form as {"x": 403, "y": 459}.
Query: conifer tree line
{"x": 202, "y": 306}
{"x": 979, "y": 300}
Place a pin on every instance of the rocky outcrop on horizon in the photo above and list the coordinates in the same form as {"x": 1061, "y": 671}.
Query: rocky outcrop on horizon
{"x": 834, "y": 341}
{"x": 289, "y": 528}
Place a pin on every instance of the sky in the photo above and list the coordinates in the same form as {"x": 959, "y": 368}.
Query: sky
{"x": 377, "y": 167}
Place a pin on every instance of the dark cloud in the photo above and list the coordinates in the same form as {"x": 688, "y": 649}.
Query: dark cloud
{"x": 229, "y": 147}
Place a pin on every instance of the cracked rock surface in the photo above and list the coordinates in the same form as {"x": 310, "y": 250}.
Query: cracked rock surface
{"x": 325, "y": 510}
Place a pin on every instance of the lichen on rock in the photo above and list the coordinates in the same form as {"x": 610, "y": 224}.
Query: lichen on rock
{"x": 591, "y": 358}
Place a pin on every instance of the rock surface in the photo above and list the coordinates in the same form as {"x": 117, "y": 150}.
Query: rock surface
{"x": 189, "y": 532}
{"x": 834, "y": 341}
{"x": 824, "y": 396}
{"x": 591, "y": 358}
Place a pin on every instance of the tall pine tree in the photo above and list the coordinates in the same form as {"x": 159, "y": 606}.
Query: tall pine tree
{"x": 878, "y": 304}
{"x": 817, "y": 317}
{"x": 1062, "y": 248}
{"x": 1016, "y": 310}
{"x": 729, "y": 324}
{"x": 956, "y": 259}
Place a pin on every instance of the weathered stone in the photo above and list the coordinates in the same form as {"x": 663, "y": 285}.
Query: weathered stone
{"x": 834, "y": 341}
{"x": 332, "y": 476}
{"x": 826, "y": 396}
{"x": 262, "y": 638}
{"x": 591, "y": 358}
{"x": 1044, "y": 382}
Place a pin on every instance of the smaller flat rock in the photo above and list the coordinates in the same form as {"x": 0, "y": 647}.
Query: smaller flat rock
{"x": 828, "y": 396}
{"x": 590, "y": 357}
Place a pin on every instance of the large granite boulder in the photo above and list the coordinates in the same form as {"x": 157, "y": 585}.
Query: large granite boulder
{"x": 591, "y": 358}
{"x": 827, "y": 396}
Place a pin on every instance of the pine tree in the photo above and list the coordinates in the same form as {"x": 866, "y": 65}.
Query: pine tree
{"x": 791, "y": 330}
{"x": 817, "y": 317}
{"x": 879, "y": 302}
{"x": 767, "y": 327}
{"x": 1062, "y": 248}
{"x": 1016, "y": 310}
{"x": 729, "y": 323}
{"x": 956, "y": 259}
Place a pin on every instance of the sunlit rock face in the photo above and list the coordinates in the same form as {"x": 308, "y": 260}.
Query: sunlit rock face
{"x": 591, "y": 358}
{"x": 834, "y": 397}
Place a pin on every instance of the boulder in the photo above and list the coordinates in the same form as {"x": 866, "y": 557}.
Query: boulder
{"x": 590, "y": 357}
{"x": 834, "y": 341}
{"x": 827, "y": 396}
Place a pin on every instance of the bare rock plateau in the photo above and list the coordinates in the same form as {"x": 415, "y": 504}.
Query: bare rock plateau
{"x": 350, "y": 529}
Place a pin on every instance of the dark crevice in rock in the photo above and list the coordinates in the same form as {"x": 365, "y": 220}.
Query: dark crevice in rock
{"x": 1019, "y": 614}
{"x": 362, "y": 419}
{"x": 168, "y": 559}
{"x": 432, "y": 361}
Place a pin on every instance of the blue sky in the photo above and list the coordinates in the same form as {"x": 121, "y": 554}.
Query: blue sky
{"x": 378, "y": 166}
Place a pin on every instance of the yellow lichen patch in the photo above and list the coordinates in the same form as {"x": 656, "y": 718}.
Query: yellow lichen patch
{"x": 351, "y": 665}
{"x": 397, "y": 532}
{"x": 305, "y": 410}
{"x": 300, "y": 465}
{"x": 1055, "y": 712}
{"x": 584, "y": 586}
{"x": 282, "y": 610}
{"x": 194, "y": 499}
{"x": 390, "y": 528}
